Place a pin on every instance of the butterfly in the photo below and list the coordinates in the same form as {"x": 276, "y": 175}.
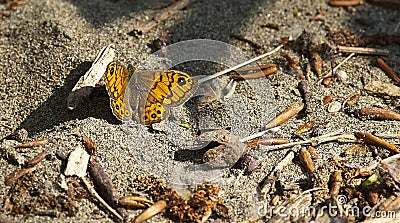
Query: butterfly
{"x": 146, "y": 95}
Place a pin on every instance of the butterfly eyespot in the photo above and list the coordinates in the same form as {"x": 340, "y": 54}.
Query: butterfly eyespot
{"x": 153, "y": 116}
{"x": 112, "y": 70}
{"x": 117, "y": 107}
{"x": 146, "y": 118}
{"x": 159, "y": 112}
{"x": 181, "y": 81}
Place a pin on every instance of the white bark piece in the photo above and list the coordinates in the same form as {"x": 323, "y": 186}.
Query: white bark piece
{"x": 87, "y": 82}
{"x": 382, "y": 89}
{"x": 77, "y": 163}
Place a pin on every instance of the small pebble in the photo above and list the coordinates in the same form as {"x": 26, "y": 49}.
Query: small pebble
{"x": 334, "y": 106}
{"x": 341, "y": 76}
{"x": 19, "y": 135}
{"x": 247, "y": 163}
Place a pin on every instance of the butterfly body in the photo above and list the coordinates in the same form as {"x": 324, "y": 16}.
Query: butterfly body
{"x": 148, "y": 94}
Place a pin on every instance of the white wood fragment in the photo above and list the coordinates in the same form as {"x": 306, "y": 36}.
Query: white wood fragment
{"x": 87, "y": 82}
{"x": 382, "y": 89}
{"x": 77, "y": 163}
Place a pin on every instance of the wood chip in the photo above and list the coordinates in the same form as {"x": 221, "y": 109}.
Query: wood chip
{"x": 77, "y": 163}
{"x": 382, "y": 89}
{"x": 87, "y": 82}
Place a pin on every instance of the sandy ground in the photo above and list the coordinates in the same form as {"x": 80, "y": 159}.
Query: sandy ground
{"x": 47, "y": 45}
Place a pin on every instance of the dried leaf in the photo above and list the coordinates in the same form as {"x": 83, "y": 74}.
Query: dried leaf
{"x": 134, "y": 202}
{"x": 305, "y": 127}
{"x": 328, "y": 99}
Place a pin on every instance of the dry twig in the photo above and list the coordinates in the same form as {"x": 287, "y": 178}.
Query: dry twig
{"x": 162, "y": 15}
{"x": 93, "y": 192}
{"x": 362, "y": 50}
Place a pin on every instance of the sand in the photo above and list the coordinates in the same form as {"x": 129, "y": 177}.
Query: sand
{"x": 46, "y": 46}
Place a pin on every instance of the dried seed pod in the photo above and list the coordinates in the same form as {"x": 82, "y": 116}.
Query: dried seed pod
{"x": 305, "y": 127}
{"x": 305, "y": 160}
{"x": 306, "y": 95}
{"x": 327, "y": 81}
{"x": 334, "y": 106}
{"x": 134, "y": 202}
{"x": 266, "y": 141}
{"x": 13, "y": 5}
{"x": 37, "y": 159}
{"x": 90, "y": 145}
{"x": 266, "y": 70}
{"x": 290, "y": 112}
{"x": 345, "y": 2}
{"x": 335, "y": 182}
{"x": 312, "y": 152}
{"x": 375, "y": 141}
{"x": 151, "y": 211}
{"x": 39, "y": 142}
{"x": 328, "y": 99}
{"x": 317, "y": 62}
{"x": 379, "y": 114}
{"x": 388, "y": 71}
{"x": 352, "y": 100}
{"x": 102, "y": 182}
